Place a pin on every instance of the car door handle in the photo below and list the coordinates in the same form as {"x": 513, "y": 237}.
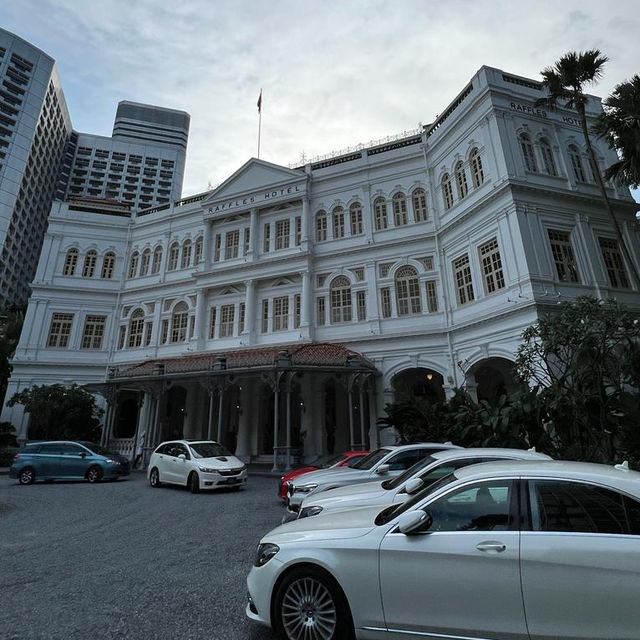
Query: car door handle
{"x": 491, "y": 546}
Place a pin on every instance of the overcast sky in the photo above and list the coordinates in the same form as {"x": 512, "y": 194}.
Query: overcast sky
{"x": 334, "y": 72}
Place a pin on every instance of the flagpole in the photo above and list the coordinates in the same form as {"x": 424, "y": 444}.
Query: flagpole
{"x": 259, "y": 121}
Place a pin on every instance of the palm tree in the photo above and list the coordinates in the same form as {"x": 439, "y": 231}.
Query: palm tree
{"x": 566, "y": 81}
{"x": 620, "y": 126}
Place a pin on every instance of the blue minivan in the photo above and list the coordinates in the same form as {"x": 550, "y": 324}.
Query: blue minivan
{"x": 66, "y": 460}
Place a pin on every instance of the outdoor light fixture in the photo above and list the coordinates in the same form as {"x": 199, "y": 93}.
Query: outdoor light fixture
{"x": 429, "y": 376}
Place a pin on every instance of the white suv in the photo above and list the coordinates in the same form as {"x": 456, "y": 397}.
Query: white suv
{"x": 197, "y": 464}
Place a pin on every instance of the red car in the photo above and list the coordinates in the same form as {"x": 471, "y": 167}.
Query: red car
{"x": 344, "y": 459}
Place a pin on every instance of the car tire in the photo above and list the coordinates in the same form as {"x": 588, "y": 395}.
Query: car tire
{"x": 193, "y": 482}
{"x": 154, "y": 478}
{"x": 94, "y": 474}
{"x": 27, "y": 475}
{"x": 298, "y": 597}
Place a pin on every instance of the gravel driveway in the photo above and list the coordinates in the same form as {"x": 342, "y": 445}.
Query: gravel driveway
{"x": 122, "y": 560}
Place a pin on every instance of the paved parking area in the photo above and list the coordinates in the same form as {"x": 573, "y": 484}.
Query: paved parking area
{"x": 122, "y": 560}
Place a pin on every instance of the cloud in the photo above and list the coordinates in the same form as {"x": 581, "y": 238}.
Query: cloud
{"x": 334, "y": 73}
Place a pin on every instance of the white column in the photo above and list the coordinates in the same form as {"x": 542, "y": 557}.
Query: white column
{"x": 253, "y": 235}
{"x": 249, "y": 310}
{"x": 306, "y": 222}
{"x": 207, "y": 246}
{"x": 200, "y": 320}
{"x": 372, "y": 291}
{"x": 367, "y": 214}
{"x": 305, "y": 306}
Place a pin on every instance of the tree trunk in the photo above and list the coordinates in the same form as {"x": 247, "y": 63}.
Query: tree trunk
{"x": 603, "y": 191}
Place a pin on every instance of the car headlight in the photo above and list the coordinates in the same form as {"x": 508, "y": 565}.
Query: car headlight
{"x": 110, "y": 461}
{"x": 309, "y": 511}
{"x": 264, "y": 553}
{"x": 207, "y": 470}
{"x": 305, "y": 488}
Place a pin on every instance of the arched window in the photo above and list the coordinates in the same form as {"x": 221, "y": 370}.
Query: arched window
{"x": 157, "y": 260}
{"x": 70, "y": 262}
{"x": 408, "y": 291}
{"x": 340, "y": 300}
{"x": 380, "y": 213}
{"x": 108, "y": 264}
{"x": 144, "y": 262}
{"x": 90, "y": 264}
{"x": 419, "y": 201}
{"x": 400, "y": 210}
{"x": 136, "y": 328}
{"x": 179, "y": 319}
{"x": 355, "y": 215}
{"x": 174, "y": 251}
{"x": 338, "y": 222}
{"x": 321, "y": 226}
{"x": 547, "y": 157}
{"x": 186, "y": 255}
{"x": 198, "y": 252}
{"x": 592, "y": 169}
{"x": 576, "y": 163}
{"x": 476, "y": 168}
{"x": 527, "y": 153}
{"x": 461, "y": 181}
{"x": 133, "y": 264}
{"x": 447, "y": 191}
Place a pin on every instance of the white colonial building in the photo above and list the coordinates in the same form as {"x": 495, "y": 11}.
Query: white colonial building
{"x": 284, "y": 308}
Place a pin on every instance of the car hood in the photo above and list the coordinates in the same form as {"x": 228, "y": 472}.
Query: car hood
{"x": 353, "y": 489}
{"x": 333, "y": 526}
{"x": 297, "y": 472}
{"x": 220, "y": 462}
{"x": 374, "y": 496}
{"x": 117, "y": 457}
{"x": 322, "y": 476}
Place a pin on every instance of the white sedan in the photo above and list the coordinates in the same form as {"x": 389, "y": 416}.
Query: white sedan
{"x": 398, "y": 489}
{"x": 507, "y": 551}
{"x": 196, "y": 464}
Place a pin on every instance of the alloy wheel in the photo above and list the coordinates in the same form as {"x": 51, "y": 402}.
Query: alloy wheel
{"x": 308, "y": 611}
{"x": 27, "y": 476}
{"x": 93, "y": 475}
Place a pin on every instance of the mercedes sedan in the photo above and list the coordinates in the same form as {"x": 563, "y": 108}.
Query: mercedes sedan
{"x": 507, "y": 551}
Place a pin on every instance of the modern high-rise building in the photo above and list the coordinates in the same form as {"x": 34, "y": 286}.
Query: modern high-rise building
{"x": 42, "y": 158}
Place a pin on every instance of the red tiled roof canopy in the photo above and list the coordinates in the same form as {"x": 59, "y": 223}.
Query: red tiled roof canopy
{"x": 314, "y": 354}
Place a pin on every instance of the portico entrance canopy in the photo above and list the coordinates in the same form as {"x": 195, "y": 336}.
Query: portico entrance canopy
{"x": 278, "y": 366}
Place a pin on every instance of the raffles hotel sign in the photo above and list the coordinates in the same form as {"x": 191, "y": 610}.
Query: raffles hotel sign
{"x": 257, "y": 199}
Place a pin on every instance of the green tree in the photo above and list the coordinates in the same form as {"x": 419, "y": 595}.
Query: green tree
{"x": 10, "y": 328}
{"x": 619, "y": 125}
{"x": 59, "y": 412}
{"x": 566, "y": 81}
{"x": 579, "y": 359}
{"x": 7, "y": 435}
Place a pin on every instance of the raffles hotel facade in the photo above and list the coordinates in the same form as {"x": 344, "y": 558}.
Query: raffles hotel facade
{"x": 282, "y": 310}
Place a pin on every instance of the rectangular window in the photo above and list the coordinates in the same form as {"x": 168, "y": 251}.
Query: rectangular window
{"x": 338, "y": 222}
{"x": 266, "y": 247}
{"x": 265, "y": 316}
{"x": 432, "y": 296}
{"x": 93, "y": 332}
{"x": 563, "y": 257}
{"x": 60, "y": 330}
{"x": 298, "y": 222}
{"x": 165, "y": 332}
{"x": 491, "y": 266}
{"x": 218, "y": 246}
{"x": 385, "y": 300}
{"x": 227, "y": 316}
{"x": 614, "y": 263}
{"x": 282, "y": 234}
{"x": 357, "y": 226}
{"x": 148, "y": 329}
{"x": 241, "y": 313}
{"x": 212, "y": 323}
{"x": 320, "y": 311}
{"x": 122, "y": 336}
{"x": 321, "y": 228}
{"x": 462, "y": 276}
{"x": 280, "y": 313}
{"x": 297, "y": 308}
{"x": 232, "y": 244}
{"x": 361, "y": 301}
{"x": 247, "y": 240}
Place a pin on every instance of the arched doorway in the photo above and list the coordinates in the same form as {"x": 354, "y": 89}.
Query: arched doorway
{"x": 176, "y": 406}
{"x": 418, "y": 383}
{"x": 127, "y": 416}
{"x": 492, "y": 378}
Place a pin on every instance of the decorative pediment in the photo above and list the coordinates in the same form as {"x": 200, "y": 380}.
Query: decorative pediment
{"x": 281, "y": 282}
{"x": 227, "y": 291}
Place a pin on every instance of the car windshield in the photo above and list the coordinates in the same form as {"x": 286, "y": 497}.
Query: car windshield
{"x": 373, "y": 458}
{"x": 208, "y": 450}
{"x": 388, "y": 514}
{"x": 398, "y": 481}
{"x": 328, "y": 461}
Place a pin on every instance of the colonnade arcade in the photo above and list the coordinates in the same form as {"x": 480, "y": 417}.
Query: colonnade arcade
{"x": 280, "y": 405}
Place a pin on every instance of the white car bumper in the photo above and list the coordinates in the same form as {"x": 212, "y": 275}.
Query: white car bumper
{"x": 260, "y": 583}
{"x": 217, "y": 481}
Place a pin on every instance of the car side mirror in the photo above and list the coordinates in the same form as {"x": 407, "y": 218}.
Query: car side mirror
{"x": 414, "y": 521}
{"x": 83, "y": 454}
{"x": 413, "y": 485}
{"x": 382, "y": 469}
{"x": 182, "y": 456}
